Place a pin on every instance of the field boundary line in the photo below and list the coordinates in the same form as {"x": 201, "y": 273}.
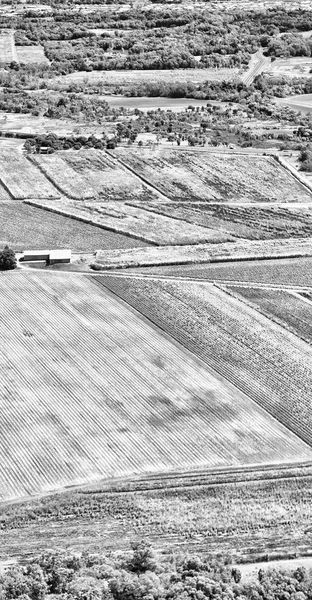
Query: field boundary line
{"x": 294, "y": 173}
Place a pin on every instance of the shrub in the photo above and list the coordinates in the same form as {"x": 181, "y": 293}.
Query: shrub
{"x": 7, "y": 259}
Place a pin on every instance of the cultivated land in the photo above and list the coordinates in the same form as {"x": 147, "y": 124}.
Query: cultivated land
{"x": 261, "y": 358}
{"x": 22, "y": 179}
{"x": 98, "y": 392}
{"x": 282, "y": 272}
{"x": 24, "y": 227}
{"x": 288, "y": 308}
{"x": 187, "y": 175}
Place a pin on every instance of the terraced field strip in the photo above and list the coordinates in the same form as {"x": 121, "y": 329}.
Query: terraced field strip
{"x": 108, "y": 177}
{"x": 268, "y": 363}
{"x": 242, "y": 250}
{"x": 90, "y": 390}
{"x": 63, "y": 177}
{"x": 184, "y": 175}
{"x": 287, "y": 308}
{"x": 22, "y": 179}
{"x": 289, "y": 272}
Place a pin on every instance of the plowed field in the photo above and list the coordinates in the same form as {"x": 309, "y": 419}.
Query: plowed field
{"x": 89, "y": 389}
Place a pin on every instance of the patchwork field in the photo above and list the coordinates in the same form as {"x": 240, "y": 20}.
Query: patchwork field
{"x": 99, "y": 392}
{"x": 189, "y": 175}
{"x": 288, "y": 308}
{"x": 22, "y": 179}
{"x": 270, "y": 364}
{"x": 293, "y": 271}
{"x": 25, "y": 227}
{"x": 202, "y": 253}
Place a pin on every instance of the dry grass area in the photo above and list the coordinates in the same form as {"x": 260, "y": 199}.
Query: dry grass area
{"x": 29, "y": 55}
{"x": 7, "y": 47}
{"x": 22, "y": 179}
{"x": 25, "y": 227}
{"x": 63, "y": 177}
{"x": 291, "y": 67}
{"x": 189, "y": 175}
{"x": 203, "y": 253}
{"x": 124, "y": 78}
{"x": 99, "y": 392}
{"x": 287, "y": 308}
{"x": 107, "y": 176}
{"x": 136, "y": 222}
{"x": 265, "y": 361}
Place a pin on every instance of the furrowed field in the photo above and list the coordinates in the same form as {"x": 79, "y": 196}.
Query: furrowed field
{"x": 288, "y": 308}
{"x": 99, "y": 392}
{"x": 189, "y": 175}
{"x": 24, "y": 227}
{"x": 271, "y": 365}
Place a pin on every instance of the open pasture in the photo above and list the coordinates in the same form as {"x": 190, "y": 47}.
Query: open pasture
{"x": 188, "y": 175}
{"x": 107, "y": 176}
{"x": 126, "y": 78}
{"x": 201, "y": 253}
{"x": 268, "y": 363}
{"x": 90, "y": 390}
{"x": 253, "y": 223}
{"x": 284, "y": 271}
{"x": 30, "y": 55}
{"x": 24, "y": 227}
{"x": 136, "y": 222}
{"x": 287, "y": 308}
{"x": 22, "y": 179}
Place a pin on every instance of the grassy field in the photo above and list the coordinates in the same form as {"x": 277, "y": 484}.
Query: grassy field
{"x": 7, "y": 47}
{"x": 239, "y": 221}
{"x": 265, "y": 361}
{"x": 288, "y": 272}
{"x": 29, "y": 55}
{"x": 289, "y": 309}
{"x": 64, "y": 178}
{"x": 201, "y": 253}
{"x": 245, "y": 521}
{"x": 291, "y": 67}
{"x": 22, "y": 179}
{"x": 99, "y": 392}
{"x": 107, "y": 176}
{"x": 25, "y": 227}
{"x": 189, "y": 175}
{"x": 136, "y": 222}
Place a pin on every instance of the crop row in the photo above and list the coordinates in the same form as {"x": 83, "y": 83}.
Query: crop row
{"x": 268, "y": 363}
{"x": 90, "y": 390}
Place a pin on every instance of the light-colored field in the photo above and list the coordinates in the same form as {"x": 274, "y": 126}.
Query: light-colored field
{"x": 203, "y": 253}
{"x": 291, "y": 67}
{"x": 29, "y": 55}
{"x": 105, "y": 174}
{"x": 88, "y": 390}
{"x": 301, "y": 102}
{"x": 63, "y": 177}
{"x": 116, "y": 78}
{"x": 137, "y": 222}
{"x": 190, "y": 175}
{"x": 22, "y": 179}
{"x": 145, "y": 103}
{"x": 7, "y": 47}
{"x": 28, "y": 123}
{"x": 270, "y": 364}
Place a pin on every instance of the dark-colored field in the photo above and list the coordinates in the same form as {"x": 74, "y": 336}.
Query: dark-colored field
{"x": 25, "y": 227}
{"x": 284, "y": 271}
{"x": 286, "y": 308}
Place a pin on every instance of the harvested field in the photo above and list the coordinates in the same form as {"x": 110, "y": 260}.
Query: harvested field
{"x": 21, "y": 178}
{"x": 125, "y": 78}
{"x": 107, "y": 176}
{"x": 25, "y": 227}
{"x": 287, "y": 272}
{"x": 7, "y": 47}
{"x": 246, "y": 222}
{"x": 29, "y": 55}
{"x": 188, "y": 175}
{"x": 99, "y": 392}
{"x": 287, "y": 308}
{"x": 65, "y": 179}
{"x": 203, "y": 253}
{"x": 136, "y": 222}
{"x": 268, "y": 363}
